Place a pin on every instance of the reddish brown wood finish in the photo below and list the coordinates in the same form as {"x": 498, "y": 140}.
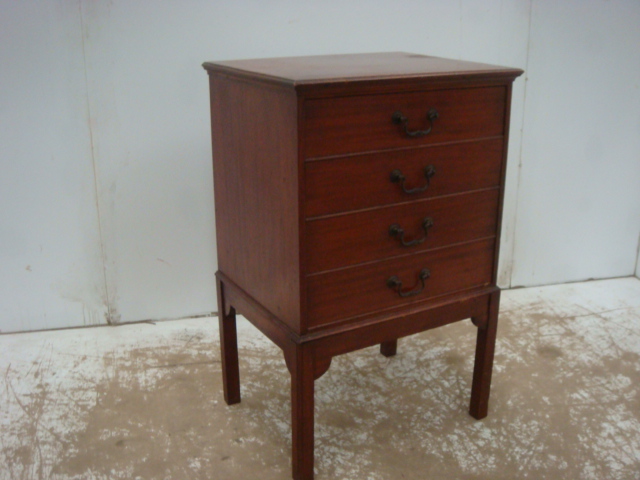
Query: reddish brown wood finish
{"x": 347, "y": 337}
{"x": 485, "y": 346}
{"x": 274, "y": 328}
{"x": 344, "y": 294}
{"x": 303, "y": 150}
{"x": 389, "y": 349}
{"x": 353, "y": 238}
{"x": 302, "y": 412}
{"x": 256, "y": 191}
{"x": 335, "y": 126}
{"x": 363, "y": 181}
{"x": 321, "y": 70}
{"x": 228, "y": 348}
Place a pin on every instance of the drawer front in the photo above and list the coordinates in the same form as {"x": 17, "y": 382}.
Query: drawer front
{"x": 334, "y": 126}
{"x": 353, "y": 238}
{"x": 362, "y": 181}
{"x": 356, "y": 291}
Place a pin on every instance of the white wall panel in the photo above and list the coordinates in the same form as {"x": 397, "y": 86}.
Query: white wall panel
{"x": 50, "y": 262}
{"x": 579, "y": 196}
{"x": 115, "y": 88}
{"x": 149, "y": 100}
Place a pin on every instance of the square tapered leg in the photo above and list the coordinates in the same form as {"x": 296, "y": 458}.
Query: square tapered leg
{"x": 389, "y": 349}
{"x": 485, "y": 348}
{"x": 302, "y": 413}
{"x": 228, "y": 348}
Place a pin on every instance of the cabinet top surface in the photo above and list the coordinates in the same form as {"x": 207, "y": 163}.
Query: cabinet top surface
{"x": 352, "y": 67}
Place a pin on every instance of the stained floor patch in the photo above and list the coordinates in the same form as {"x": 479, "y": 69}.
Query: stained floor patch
{"x": 145, "y": 401}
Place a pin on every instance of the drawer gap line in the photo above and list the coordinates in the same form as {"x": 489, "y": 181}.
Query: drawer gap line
{"x": 388, "y": 205}
{"x": 379, "y": 260}
{"x": 390, "y": 150}
{"x": 342, "y": 321}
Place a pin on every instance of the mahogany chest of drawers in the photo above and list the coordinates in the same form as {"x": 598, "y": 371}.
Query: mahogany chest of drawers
{"x": 358, "y": 200}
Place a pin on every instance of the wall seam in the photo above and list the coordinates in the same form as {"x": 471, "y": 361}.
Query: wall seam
{"x": 524, "y": 108}
{"x": 636, "y": 267}
{"x": 107, "y": 300}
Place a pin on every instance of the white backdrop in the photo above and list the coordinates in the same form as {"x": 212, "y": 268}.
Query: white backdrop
{"x": 578, "y": 210}
{"x": 105, "y": 169}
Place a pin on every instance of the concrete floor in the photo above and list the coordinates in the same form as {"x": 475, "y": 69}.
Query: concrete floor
{"x": 145, "y": 402}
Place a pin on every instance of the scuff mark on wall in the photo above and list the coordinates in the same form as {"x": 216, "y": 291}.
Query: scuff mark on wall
{"x": 111, "y": 316}
{"x": 74, "y": 288}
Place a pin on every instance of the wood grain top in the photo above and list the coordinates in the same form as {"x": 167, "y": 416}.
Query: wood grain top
{"x": 323, "y": 69}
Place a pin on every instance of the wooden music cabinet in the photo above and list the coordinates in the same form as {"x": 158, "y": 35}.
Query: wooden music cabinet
{"x": 358, "y": 200}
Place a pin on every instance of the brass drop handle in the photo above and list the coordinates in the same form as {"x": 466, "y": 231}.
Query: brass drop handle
{"x": 399, "y": 119}
{"x": 398, "y": 177}
{"x": 394, "y": 283}
{"x": 396, "y": 230}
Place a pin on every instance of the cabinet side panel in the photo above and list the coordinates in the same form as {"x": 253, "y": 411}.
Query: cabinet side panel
{"x": 256, "y": 191}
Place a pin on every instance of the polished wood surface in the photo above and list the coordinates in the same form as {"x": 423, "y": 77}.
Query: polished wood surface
{"x": 302, "y": 412}
{"x": 361, "y": 181}
{"x": 228, "y": 348}
{"x": 400, "y": 323}
{"x": 256, "y": 192}
{"x": 483, "y": 366}
{"x": 364, "y": 236}
{"x": 304, "y": 152}
{"x": 349, "y": 292}
{"x": 320, "y": 69}
{"x": 334, "y": 126}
